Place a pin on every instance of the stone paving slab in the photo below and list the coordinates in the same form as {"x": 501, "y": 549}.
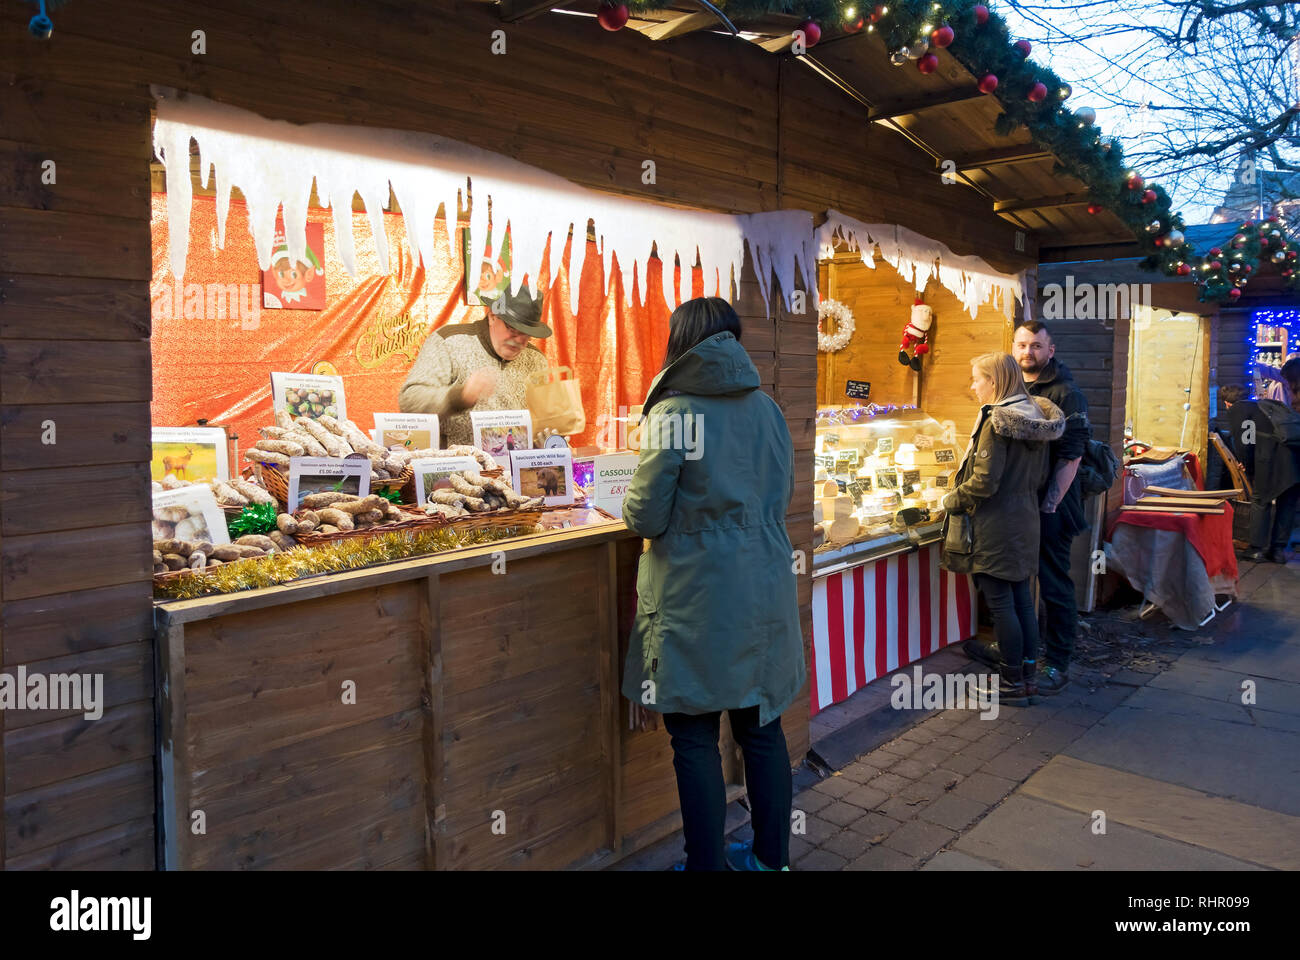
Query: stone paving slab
{"x": 1252, "y": 764}
{"x": 1028, "y": 834}
{"x": 1236, "y": 829}
{"x": 956, "y": 860}
{"x": 1201, "y": 679}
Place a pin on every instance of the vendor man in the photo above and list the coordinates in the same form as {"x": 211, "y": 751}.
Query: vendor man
{"x": 477, "y": 366}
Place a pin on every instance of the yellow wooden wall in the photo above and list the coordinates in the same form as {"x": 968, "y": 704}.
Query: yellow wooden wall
{"x": 1169, "y": 353}
{"x": 881, "y": 301}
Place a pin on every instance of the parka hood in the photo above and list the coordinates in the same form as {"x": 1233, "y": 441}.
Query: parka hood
{"x": 1028, "y": 418}
{"x": 718, "y": 366}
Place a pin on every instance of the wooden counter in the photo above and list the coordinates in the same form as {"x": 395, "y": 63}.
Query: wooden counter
{"x": 486, "y": 731}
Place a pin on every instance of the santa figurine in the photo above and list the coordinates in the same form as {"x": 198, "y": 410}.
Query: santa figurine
{"x": 915, "y": 334}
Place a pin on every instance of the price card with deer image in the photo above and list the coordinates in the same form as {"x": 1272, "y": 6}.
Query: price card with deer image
{"x": 196, "y": 454}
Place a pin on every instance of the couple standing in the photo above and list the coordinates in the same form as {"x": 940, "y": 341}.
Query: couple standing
{"x": 1016, "y": 508}
{"x": 717, "y": 624}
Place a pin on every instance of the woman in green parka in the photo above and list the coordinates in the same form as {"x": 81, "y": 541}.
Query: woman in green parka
{"x": 993, "y": 528}
{"x": 717, "y": 621}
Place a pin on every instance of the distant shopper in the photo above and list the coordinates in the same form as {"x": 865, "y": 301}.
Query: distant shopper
{"x": 1284, "y": 382}
{"x": 994, "y": 531}
{"x": 1260, "y": 430}
{"x": 717, "y": 623}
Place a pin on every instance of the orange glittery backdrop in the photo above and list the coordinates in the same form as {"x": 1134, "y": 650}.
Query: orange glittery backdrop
{"x": 215, "y": 364}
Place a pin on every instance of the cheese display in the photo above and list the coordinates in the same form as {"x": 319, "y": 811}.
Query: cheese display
{"x": 870, "y": 468}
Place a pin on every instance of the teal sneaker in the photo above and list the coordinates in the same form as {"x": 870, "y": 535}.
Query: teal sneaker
{"x": 1052, "y": 681}
{"x": 740, "y": 856}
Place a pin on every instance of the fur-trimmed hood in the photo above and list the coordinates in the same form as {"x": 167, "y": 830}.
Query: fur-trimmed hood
{"x": 1028, "y": 418}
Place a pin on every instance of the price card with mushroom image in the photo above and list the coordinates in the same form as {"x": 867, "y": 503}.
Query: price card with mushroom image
{"x": 544, "y": 473}
{"x": 189, "y": 513}
{"x": 310, "y": 395}
{"x": 308, "y": 475}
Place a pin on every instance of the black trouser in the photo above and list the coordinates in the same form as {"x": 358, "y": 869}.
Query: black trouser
{"x": 1270, "y": 526}
{"x": 703, "y": 793}
{"x": 1060, "y": 614}
{"x": 1015, "y": 624}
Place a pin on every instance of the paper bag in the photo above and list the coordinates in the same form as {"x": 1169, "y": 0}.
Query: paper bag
{"x": 555, "y": 402}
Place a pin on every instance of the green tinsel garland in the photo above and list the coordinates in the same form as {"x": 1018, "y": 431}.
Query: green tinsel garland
{"x": 255, "y": 518}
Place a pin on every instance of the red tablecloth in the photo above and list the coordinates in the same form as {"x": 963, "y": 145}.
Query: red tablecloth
{"x": 1209, "y": 534}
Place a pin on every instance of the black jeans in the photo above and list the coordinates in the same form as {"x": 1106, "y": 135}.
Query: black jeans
{"x": 703, "y": 794}
{"x": 1270, "y": 526}
{"x": 1011, "y": 602}
{"x": 1060, "y": 614}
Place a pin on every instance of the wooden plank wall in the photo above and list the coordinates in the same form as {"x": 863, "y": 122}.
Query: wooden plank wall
{"x": 729, "y": 127}
{"x": 881, "y": 301}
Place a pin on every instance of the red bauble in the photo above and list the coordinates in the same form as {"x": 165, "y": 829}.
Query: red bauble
{"x": 1247, "y": 224}
{"x": 1023, "y": 47}
{"x": 981, "y": 14}
{"x": 928, "y": 64}
{"x": 855, "y": 26}
{"x": 1248, "y": 268}
{"x": 1234, "y": 293}
{"x": 1037, "y": 93}
{"x": 1094, "y": 208}
{"x": 1184, "y": 269}
{"x": 612, "y": 16}
{"x": 1290, "y": 254}
{"x": 1135, "y": 182}
{"x": 1149, "y": 196}
{"x": 989, "y": 83}
{"x": 1272, "y": 219}
{"x": 811, "y": 33}
{"x": 942, "y": 36}
{"x": 1287, "y": 272}
{"x": 1159, "y": 241}
{"x": 1216, "y": 264}
{"x": 1215, "y": 251}
{"x": 877, "y": 13}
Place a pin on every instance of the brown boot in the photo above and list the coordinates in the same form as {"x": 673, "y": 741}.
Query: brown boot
{"x": 1008, "y": 684}
{"x": 1030, "y": 674}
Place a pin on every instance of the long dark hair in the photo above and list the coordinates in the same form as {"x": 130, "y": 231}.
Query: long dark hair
{"x": 694, "y": 322}
{"x": 1290, "y": 373}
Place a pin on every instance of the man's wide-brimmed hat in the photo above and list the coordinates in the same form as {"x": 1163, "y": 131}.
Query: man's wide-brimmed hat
{"x": 519, "y": 311}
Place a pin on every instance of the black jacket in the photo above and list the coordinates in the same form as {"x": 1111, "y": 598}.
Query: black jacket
{"x": 1057, "y": 385}
{"x": 1276, "y": 465}
{"x": 1238, "y": 415}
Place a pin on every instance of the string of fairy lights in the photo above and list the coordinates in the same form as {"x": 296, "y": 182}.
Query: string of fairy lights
{"x": 1034, "y": 97}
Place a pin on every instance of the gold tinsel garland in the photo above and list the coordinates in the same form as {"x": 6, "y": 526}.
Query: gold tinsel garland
{"x": 260, "y": 572}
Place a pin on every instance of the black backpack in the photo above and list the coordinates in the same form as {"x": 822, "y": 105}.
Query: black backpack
{"x": 1099, "y": 468}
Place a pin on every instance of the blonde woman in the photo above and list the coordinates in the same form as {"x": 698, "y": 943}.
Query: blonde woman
{"x": 993, "y": 507}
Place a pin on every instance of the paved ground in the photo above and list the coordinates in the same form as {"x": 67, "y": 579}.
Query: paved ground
{"x": 1150, "y": 760}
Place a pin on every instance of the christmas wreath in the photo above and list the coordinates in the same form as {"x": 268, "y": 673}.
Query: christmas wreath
{"x": 843, "y": 316}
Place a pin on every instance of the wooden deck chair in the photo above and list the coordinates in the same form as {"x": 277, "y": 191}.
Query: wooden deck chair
{"x": 1234, "y": 467}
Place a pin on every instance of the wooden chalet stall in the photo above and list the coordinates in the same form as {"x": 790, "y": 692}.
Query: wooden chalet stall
{"x": 231, "y": 709}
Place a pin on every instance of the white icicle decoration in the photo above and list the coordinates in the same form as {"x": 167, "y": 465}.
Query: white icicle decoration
{"x": 274, "y": 164}
{"x": 918, "y": 258}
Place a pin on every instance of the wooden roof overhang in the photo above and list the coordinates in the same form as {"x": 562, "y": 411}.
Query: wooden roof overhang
{"x": 942, "y": 113}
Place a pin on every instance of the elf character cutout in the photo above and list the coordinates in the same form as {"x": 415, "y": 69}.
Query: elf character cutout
{"x": 292, "y": 278}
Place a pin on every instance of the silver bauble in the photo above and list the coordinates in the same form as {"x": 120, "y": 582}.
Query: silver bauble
{"x": 1087, "y": 116}
{"x": 1175, "y": 237}
{"x": 898, "y": 57}
{"x": 1279, "y": 256}
{"x": 918, "y": 49}
{"x": 1153, "y": 226}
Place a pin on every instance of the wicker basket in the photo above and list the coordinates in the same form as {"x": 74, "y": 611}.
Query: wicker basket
{"x": 276, "y": 482}
{"x": 411, "y": 522}
{"x": 497, "y": 520}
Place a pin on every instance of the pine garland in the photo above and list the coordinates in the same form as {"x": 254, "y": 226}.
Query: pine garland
{"x": 1079, "y": 147}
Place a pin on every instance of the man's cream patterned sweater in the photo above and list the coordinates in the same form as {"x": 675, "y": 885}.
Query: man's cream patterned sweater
{"x": 446, "y": 360}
